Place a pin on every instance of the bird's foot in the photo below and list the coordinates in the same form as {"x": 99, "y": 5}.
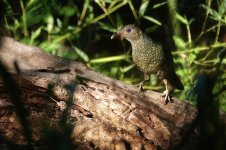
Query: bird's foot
{"x": 141, "y": 87}
{"x": 167, "y": 97}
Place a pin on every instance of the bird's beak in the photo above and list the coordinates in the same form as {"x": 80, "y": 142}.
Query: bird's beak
{"x": 115, "y": 35}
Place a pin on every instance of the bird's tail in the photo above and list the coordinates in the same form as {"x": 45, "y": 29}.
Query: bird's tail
{"x": 175, "y": 81}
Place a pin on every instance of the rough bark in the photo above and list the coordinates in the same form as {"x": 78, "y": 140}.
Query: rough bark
{"x": 103, "y": 113}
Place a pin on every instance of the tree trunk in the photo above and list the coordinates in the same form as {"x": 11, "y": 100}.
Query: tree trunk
{"x": 65, "y": 99}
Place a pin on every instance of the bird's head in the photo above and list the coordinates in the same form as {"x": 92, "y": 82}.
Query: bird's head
{"x": 129, "y": 32}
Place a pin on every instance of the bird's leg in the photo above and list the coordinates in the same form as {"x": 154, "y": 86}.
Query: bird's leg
{"x": 166, "y": 93}
{"x": 146, "y": 78}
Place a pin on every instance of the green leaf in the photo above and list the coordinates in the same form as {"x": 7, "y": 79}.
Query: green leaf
{"x": 68, "y": 11}
{"x": 191, "y": 57}
{"x": 49, "y": 47}
{"x": 50, "y": 24}
{"x": 106, "y": 27}
{"x": 127, "y": 68}
{"x": 182, "y": 19}
{"x": 191, "y": 20}
{"x": 109, "y": 59}
{"x": 59, "y": 23}
{"x": 35, "y": 34}
{"x": 133, "y": 10}
{"x": 159, "y": 5}
{"x": 151, "y": 19}
{"x": 214, "y": 14}
{"x": 222, "y": 8}
{"x": 81, "y": 54}
{"x": 119, "y": 21}
{"x": 90, "y": 14}
{"x": 143, "y": 8}
{"x": 38, "y": 10}
{"x": 179, "y": 42}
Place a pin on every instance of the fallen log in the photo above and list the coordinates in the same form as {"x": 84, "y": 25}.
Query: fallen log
{"x": 100, "y": 112}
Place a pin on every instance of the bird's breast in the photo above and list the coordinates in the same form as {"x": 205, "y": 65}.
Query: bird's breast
{"x": 147, "y": 60}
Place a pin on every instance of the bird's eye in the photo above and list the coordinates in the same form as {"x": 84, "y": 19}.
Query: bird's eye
{"x": 128, "y": 30}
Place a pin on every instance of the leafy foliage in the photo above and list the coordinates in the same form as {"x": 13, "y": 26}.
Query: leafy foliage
{"x": 81, "y": 30}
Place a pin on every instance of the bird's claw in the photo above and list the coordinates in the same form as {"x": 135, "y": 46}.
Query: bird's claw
{"x": 167, "y": 97}
{"x": 141, "y": 87}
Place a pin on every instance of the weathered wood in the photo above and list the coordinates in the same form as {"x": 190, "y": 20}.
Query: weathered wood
{"x": 109, "y": 114}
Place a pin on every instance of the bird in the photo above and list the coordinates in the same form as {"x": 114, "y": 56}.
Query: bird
{"x": 151, "y": 58}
